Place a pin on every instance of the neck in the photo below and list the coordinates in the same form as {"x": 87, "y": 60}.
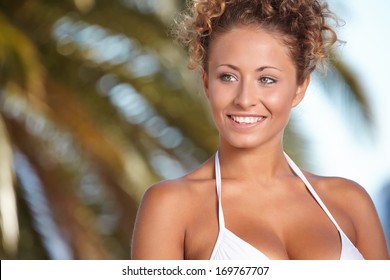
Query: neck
{"x": 261, "y": 163}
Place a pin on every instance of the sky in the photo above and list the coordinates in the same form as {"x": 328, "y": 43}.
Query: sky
{"x": 339, "y": 145}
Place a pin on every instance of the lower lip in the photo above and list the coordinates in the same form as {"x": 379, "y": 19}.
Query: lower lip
{"x": 246, "y": 125}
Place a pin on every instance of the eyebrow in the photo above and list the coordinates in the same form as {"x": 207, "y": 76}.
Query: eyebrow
{"x": 262, "y": 68}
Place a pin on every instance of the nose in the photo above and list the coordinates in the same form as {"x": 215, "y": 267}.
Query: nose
{"x": 246, "y": 96}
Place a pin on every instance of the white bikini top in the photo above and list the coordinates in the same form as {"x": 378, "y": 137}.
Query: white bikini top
{"x": 231, "y": 247}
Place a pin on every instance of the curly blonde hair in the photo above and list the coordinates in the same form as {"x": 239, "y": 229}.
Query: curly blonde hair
{"x": 303, "y": 25}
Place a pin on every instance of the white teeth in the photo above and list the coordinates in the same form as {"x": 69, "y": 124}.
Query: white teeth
{"x": 246, "y": 120}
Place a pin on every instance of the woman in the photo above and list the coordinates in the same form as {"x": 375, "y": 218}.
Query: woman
{"x": 250, "y": 201}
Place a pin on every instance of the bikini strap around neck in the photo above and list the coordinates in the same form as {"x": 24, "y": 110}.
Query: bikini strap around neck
{"x": 300, "y": 174}
{"x": 218, "y": 183}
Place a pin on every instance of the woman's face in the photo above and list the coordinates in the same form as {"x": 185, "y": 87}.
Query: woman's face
{"x": 251, "y": 86}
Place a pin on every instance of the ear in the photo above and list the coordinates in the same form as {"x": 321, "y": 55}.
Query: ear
{"x": 205, "y": 79}
{"x": 301, "y": 90}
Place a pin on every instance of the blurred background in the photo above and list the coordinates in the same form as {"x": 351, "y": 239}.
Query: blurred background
{"x": 96, "y": 104}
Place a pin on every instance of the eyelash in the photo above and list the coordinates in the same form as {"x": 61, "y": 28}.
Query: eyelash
{"x": 263, "y": 80}
{"x": 269, "y": 81}
{"x": 227, "y": 77}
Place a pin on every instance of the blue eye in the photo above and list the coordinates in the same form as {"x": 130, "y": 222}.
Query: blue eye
{"x": 227, "y": 78}
{"x": 267, "y": 80}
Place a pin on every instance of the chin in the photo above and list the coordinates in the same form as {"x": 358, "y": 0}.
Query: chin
{"x": 250, "y": 141}
{"x": 244, "y": 143}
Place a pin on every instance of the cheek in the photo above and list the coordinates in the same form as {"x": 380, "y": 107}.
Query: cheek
{"x": 279, "y": 102}
{"x": 218, "y": 97}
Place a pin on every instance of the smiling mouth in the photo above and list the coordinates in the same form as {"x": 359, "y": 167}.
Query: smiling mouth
{"x": 246, "y": 120}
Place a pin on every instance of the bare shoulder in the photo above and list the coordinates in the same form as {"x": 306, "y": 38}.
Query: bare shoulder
{"x": 160, "y": 225}
{"x": 168, "y": 198}
{"x": 344, "y": 191}
{"x": 165, "y": 193}
{"x": 164, "y": 215}
{"x": 355, "y": 211}
{"x": 180, "y": 191}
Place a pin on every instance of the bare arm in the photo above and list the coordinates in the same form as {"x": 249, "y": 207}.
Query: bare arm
{"x": 159, "y": 228}
{"x": 370, "y": 240}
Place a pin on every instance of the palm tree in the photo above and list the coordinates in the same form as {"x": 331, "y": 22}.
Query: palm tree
{"x": 96, "y": 104}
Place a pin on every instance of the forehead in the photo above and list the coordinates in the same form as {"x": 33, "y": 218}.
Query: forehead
{"x": 249, "y": 45}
